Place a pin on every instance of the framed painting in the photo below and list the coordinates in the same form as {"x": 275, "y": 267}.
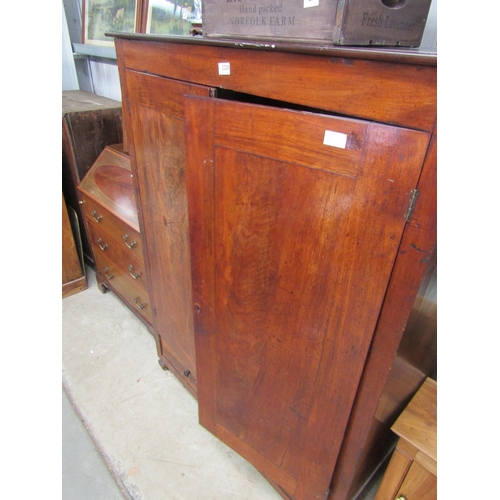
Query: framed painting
{"x": 176, "y": 17}
{"x": 101, "y": 16}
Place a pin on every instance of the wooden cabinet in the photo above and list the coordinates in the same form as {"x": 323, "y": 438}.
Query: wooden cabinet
{"x": 283, "y": 243}
{"x": 109, "y": 207}
{"x": 89, "y": 123}
{"x": 412, "y": 471}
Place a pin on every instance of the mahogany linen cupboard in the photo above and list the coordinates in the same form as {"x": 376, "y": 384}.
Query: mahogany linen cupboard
{"x": 286, "y": 198}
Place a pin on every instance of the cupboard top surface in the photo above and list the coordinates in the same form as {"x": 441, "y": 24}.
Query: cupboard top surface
{"x": 388, "y": 54}
{"x": 418, "y": 422}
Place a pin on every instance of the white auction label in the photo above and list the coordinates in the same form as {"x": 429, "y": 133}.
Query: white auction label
{"x": 224, "y": 68}
{"x": 335, "y": 139}
{"x": 311, "y": 3}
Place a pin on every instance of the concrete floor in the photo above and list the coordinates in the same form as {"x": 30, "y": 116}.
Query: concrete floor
{"x": 130, "y": 429}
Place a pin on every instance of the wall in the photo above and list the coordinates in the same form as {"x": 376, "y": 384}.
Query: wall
{"x": 98, "y": 75}
{"x": 69, "y": 76}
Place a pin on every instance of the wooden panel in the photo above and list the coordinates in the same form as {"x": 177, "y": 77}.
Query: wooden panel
{"x": 394, "y": 93}
{"x": 102, "y": 219}
{"x": 393, "y": 478}
{"x": 294, "y": 141}
{"x": 117, "y": 279}
{"x": 302, "y": 258}
{"x": 261, "y": 19}
{"x": 426, "y": 462}
{"x": 104, "y": 244}
{"x": 418, "y": 422}
{"x": 109, "y": 184}
{"x": 89, "y": 123}
{"x": 159, "y": 151}
{"x": 419, "y": 484}
{"x": 73, "y": 279}
{"x": 368, "y": 430}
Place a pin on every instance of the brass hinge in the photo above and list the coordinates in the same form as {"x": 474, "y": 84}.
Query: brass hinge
{"x": 411, "y": 204}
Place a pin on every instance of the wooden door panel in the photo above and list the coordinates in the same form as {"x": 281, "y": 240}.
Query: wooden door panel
{"x": 296, "y": 138}
{"x": 291, "y": 256}
{"x": 159, "y": 145}
{"x": 418, "y": 483}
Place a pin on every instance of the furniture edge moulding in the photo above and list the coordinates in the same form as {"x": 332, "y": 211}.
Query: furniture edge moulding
{"x": 394, "y": 93}
{"x": 169, "y": 357}
{"x": 128, "y": 147}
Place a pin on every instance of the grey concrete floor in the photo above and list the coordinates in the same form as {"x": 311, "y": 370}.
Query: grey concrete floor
{"x": 85, "y": 475}
{"x": 130, "y": 429}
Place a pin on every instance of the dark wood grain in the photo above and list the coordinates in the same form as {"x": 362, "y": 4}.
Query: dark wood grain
{"x": 262, "y": 190}
{"x": 302, "y": 259}
{"x": 368, "y": 435}
{"x": 384, "y": 91}
{"x": 89, "y": 124}
{"x": 199, "y": 123}
{"x": 73, "y": 278}
{"x": 110, "y": 218}
{"x": 109, "y": 185}
{"x": 159, "y": 156}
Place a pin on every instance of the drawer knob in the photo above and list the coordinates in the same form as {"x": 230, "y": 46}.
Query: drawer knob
{"x": 132, "y": 244}
{"x": 102, "y": 246}
{"x": 401, "y": 497}
{"x": 134, "y": 275}
{"x": 140, "y": 305}
{"x": 109, "y": 276}
{"x": 96, "y": 217}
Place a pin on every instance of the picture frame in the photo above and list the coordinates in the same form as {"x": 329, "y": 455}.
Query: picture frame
{"x": 171, "y": 17}
{"x": 101, "y": 16}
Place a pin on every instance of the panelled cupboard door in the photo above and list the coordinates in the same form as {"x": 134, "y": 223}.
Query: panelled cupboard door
{"x": 157, "y": 129}
{"x": 295, "y": 221}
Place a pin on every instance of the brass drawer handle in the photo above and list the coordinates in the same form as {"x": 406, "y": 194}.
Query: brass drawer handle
{"x": 109, "y": 276}
{"x": 94, "y": 214}
{"x": 401, "y": 497}
{"x": 139, "y": 305}
{"x": 134, "y": 275}
{"x": 102, "y": 246}
{"x": 129, "y": 245}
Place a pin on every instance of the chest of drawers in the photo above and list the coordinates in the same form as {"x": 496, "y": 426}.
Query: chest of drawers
{"x": 412, "y": 471}
{"x": 110, "y": 216}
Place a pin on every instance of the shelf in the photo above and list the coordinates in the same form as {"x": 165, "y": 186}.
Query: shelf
{"x": 94, "y": 50}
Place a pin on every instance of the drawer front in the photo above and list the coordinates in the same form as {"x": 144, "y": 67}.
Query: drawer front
{"x": 107, "y": 246}
{"x": 129, "y": 289}
{"x": 100, "y": 217}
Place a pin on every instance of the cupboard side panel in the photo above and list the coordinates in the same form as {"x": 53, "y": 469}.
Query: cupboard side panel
{"x": 159, "y": 146}
{"x": 368, "y": 437}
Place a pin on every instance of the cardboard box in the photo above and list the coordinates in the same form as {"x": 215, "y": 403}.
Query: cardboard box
{"x": 341, "y": 22}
